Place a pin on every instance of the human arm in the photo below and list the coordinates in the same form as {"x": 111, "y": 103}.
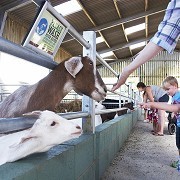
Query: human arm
{"x": 161, "y": 105}
{"x": 166, "y": 38}
{"x": 145, "y": 97}
{"x": 149, "y": 51}
{"x": 149, "y": 94}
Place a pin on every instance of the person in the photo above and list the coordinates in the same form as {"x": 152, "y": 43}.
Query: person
{"x": 165, "y": 38}
{"x": 170, "y": 84}
{"x": 155, "y": 94}
{"x": 159, "y": 105}
{"x": 145, "y": 111}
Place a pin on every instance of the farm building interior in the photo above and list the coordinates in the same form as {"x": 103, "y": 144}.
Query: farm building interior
{"x": 122, "y": 29}
{"x": 110, "y": 24}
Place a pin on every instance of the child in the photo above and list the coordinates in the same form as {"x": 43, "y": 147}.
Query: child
{"x": 170, "y": 84}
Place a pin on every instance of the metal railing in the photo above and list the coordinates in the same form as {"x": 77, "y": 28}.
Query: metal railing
{"x": 88, "y": 41}
{"x": 5, "y": 89}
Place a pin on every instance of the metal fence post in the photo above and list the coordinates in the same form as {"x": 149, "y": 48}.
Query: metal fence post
{"x": 88, "y": 123}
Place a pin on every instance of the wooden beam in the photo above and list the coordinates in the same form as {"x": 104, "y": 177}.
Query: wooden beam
{"x": 123, "y": 20}
{"x": 93, "y": 22}
{"x": 124, "y": 45}
{"x": 123, "y": 28}
{"x": 146, "y": 18}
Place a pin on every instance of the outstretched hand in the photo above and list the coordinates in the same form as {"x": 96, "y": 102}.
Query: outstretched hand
{"x": 144, "y": 105}
{"x": 121, "y": 81}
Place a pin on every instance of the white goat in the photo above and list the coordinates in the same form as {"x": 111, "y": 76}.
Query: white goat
{"x": 77, "y": 73}
{"x": 49, "y": 130}
{"x": 98, "y": 119}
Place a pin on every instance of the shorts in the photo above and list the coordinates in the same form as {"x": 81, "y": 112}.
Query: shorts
{"x": 164, "y": 98}
{"x": 178, "y": 137}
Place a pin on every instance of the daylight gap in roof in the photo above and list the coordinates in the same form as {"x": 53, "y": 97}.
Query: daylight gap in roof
{"x": 99, "y": 40}
{"x": 103, "y": 55}
{"x": 68, "y": 7}
{"x": 134, "y": 29}
{"x": 134, "y": 46}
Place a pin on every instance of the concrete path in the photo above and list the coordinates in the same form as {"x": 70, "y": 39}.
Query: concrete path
{"x": 145, "y": 157}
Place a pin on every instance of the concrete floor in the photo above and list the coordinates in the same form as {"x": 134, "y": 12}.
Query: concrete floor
{"x": 145, "y": 156}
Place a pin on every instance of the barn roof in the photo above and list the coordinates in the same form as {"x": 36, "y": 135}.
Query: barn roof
{"x": 108, "y": 18}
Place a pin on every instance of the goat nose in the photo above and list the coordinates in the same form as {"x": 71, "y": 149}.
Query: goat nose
{"x": 105, "y": 89}
{"x": 78, "y": 127}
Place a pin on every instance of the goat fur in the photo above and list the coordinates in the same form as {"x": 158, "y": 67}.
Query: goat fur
{"x": 75, "y": 73}
{"x": 49, "y": 130}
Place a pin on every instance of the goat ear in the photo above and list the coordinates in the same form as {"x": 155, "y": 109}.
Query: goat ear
{"x": 35, "y": 114}
{"x": 22, "y": 141}
{"x": 73, "y": 65}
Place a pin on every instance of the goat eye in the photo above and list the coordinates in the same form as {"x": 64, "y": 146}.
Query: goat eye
{"x": 53, "y": 123}
{"x": 91, "y": 63}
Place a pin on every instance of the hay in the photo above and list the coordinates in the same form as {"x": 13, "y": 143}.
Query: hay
{"x": 72, "y": 106}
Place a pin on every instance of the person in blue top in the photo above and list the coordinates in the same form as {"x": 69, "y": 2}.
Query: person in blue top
{"x": 170, "y": 84}
{"x": 166, "y": 38}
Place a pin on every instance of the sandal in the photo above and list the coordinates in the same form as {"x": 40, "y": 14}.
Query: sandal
{"x": 174, "y": 164}
{"x": 154, "y": 133}
{"x": 157, "y": 134}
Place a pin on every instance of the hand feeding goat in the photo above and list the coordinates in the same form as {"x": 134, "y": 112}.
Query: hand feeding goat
{"x": 49, "y": 130}
{"x": 76, "y": 73}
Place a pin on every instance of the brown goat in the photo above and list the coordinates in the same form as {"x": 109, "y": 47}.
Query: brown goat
{"x": 76, "y": 73}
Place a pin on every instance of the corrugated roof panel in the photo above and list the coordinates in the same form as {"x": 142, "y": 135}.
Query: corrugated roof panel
{"x": 158, "y": 3}
{"x": 101, "y": 46}
{"x": 114, "y": 35}
{"x": 79, "y": 21}
{"x": 102, "y": 11}
{"x": 134, "y": 23}
{"x": 122, "y": 53}
{"x": 128, "y": 7}
{"x": 5, "y": 2}
{"x": 73, "y": 47}
{"x": 27, "y": 13}
{"x": 137, "y": 35}
{"x": 57, "y": 2}
{"x": 137, "y": 50}
{"x": 153, "y": 22}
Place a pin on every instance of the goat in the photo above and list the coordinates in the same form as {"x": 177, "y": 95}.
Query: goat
{"x": 98, "y": 119}
{"x": 76, "y": 73}
{"x": 49, "y": 130}
{"x": 111, "y": 104}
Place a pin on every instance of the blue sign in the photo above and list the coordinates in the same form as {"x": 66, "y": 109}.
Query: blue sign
{"x": 42, "y": 26}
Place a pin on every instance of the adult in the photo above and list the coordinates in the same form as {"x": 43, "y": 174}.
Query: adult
{"x": 155, "y": 94}
{"x": 165, "y": 38}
